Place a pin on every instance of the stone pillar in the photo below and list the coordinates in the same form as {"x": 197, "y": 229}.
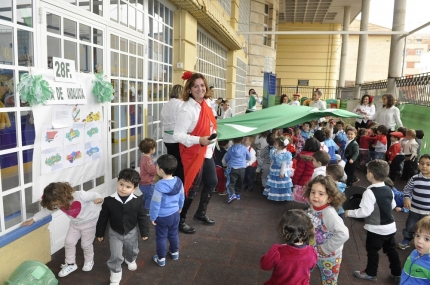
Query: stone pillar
{"x": 344, "y": 51}
{"x": 362, "y": 46}
{"x": 396, "y": 49}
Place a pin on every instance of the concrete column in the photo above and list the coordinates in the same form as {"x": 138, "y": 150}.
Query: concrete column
{"x": 362, "y": 47}
{"x": 396, "y": 49}
{"x": 344, "y": 51}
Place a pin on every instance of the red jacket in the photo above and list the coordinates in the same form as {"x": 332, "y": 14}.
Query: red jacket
{"x": 365, "y": 142}
{"x": 304, "y": 168}
{"x": 393, "y": 150}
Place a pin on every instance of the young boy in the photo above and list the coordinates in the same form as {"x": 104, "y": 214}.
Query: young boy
{"x": 398, "y": 196}
{"x": 395, "y": 154}
{"x": 124, "y": 211}
{"x": 417, "y": 189}
{"x": 380, "y": 142}
{"x": 336, "y": 172}
{"x": 147, "y": 170}
{"x": 295, "y": 101}
{"x": 340, "y": 138}
{"x": 351, "y": 156}
{"x": 417, "y": 266}
{"x": 251, "y": 165}
{"x": 410, "y": 150}
{"x": 236, "y": 158}
{"x": 320, "y": 159}
{"x": 305, "y": 131}
{"x": 376, "y": 207}
{"x": 219, "y": 154}
{"x": 166, "y": 204}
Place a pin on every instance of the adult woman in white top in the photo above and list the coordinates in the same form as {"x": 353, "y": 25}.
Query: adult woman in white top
{"x": 388, "y": 114}
{"x": 284, "y": 99}
{"x": 226, "y": 110}
{"x": 365, "y": 108}
{"x": 194, "y": 125}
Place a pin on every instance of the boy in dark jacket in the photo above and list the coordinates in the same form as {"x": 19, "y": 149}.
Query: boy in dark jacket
{"x": 124, "y": 211}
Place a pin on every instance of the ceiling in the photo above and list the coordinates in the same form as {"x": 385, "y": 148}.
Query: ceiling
{"x": 316, "y": 11}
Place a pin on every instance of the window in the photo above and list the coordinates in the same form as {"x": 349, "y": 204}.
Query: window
{"x": 266, "y": 39}
{"x": 95, "y": 6}
{"x": 410, "y": 64}
{"x": 226, "y": 5}
{"x": 241, "y": 94}
{"x": 418, "y": 51}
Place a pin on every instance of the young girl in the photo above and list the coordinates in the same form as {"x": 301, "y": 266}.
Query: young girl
{"x": 148, "y": 170}
{"x": 291, "y": 262}
{"x": 251, "y": 165}
{"x": 278, "y": 185}
{"x": 417, "y": 265}
{"x": 380, "y": 142}
{"x": 83, "y": 213}
{"x": 304, "y": 169}
{"x": 330, "y": 231}
{"x": 220, "y": 166}
{"x": 300, "y": 140}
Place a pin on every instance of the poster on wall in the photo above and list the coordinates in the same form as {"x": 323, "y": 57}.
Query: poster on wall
{"x": 70, "y": 130}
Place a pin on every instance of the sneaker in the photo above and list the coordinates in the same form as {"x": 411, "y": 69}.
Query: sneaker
{"x": 396, "y": 278}
{"x": 222, "y": 193}
{"x": 404, "y": 244}
{"x": 363, "y": 275}
{"x": 160, "y": 262}
{"x": 66, "y": 269}
{"x": 88, "y": 265}
{"x": 132, "y": 266}
{"x": 237, "y": 197}
{"x": 174, "y": 255}
{"x": 231, "y": 198}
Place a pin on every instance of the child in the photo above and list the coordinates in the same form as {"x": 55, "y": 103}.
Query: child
{"x": 251, "y": 165}
{"x": 395, "y": 154}
{"x": 380, "y": 142}
{"x": 305, "y": 131}
{"x": 304, "y": 169}
{"x": 278, "y": 185}
{"x": 227, "y": 113}
{"x": 331, "y": 145}
{"x": 416, "y": 269}
{"x": 398, "y": 196}
{"x": 219, "y": 154}
{"x": 80, "y": 207}
{"x": 300, "y": 140}
{"x": 264, "y": 160}
{"x": 236, "y": 158}
{"x": 320, "y": 136}
{"x": 336, "y": 172}
{"x": 417, "y": 189}
{"x": 419, "y": 138}
{"x": 147, "y": 170}
{"x": 371, "y": 138}
{"x": 295, "y": 101}
{"x": 124, "y": 211}
{"x": 363, "y": 148}
{"x": 342, "y": 164}
{"x": 410, "y": 150}
{"x": 292, "y": 261}
{"x": 340, "y": 138}
{"x": 376, "y": 206}
{"x": 330, "y": 231}
{"x": 166, "y": 204}
{"x": 320, "y": 159}
{"x": 351, "y": 156}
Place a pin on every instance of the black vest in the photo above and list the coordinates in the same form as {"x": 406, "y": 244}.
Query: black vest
{"x": 381, "y": 215}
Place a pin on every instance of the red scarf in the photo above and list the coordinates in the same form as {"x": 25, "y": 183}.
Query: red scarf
{"x": 193, "y": 157}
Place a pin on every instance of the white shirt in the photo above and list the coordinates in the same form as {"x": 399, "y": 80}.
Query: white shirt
{"x": 321, "y": 105}
{"x": 319, "y": 171}
{"x": 187, "y": 119}
{"x": 367, "y": 206}
{"x": 294, "y": 103}
{"x": 214, "y": 107}
{"x": 388, "y": 117}
{"x": 369, "y": 109}
{"x": 226, "y": 114}
{"x": 253, "y": 156}
{"x": 169, "y": 112}
{"x": 255, "y": 106}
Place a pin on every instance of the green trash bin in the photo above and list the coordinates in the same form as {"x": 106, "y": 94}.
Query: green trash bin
{"x": 32, "y": 272}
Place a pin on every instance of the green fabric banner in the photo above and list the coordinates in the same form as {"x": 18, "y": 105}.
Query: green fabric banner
{"x": 280, "y": 116}
{"x": 416, "y": 117}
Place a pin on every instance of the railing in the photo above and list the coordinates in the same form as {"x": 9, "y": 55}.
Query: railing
{"x": 306, "y": 91}
{"x": 414, "y": 89}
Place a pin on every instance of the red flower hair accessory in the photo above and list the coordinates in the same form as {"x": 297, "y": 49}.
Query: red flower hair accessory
{"x": 187, "y": 75}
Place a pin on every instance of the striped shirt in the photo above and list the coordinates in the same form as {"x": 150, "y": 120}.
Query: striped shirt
{"x": 418, "y": 190}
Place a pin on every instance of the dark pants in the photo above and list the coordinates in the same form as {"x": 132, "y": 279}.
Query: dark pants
{"x": 236, "y": 181}
{"x": 395, "y": 166}
{"x": 173, "y": 149}
{"x": 408, "y": 231}
{"x": 374, "y": 243}
{"x": 167, "y": 228}
{"x": 409, "y": 169}
{"x": 361, "y": 125}
{"x": 350, "y": 170}
{"x": 249, "y": 177}
{"x": 207, "y": 175}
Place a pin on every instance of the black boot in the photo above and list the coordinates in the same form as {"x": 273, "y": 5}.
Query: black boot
{"x": 200, "y": 215}
{"x": 186, "y": 229}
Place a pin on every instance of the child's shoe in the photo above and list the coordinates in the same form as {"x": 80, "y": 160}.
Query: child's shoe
{"x": 66, "y": 269}
{"x": 231, "y": 198}
{"x": 115, "y": 278}
{"x": 222, "y": 193}
{"x": 88, "y": 265}
{"x": 174, "y": 255}
{"x": 132, "y": 266}
{"x": 160, "y": 262}
{"x": 404, "y": 244}
{"x": 237, "y": 197}
{"x": 363, "y": 275}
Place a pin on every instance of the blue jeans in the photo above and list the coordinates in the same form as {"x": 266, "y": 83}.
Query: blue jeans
{"x": 380, "y": 155}
{"x": 167, "y": 228}
{"x": 147, "y": 191}
{"x": 408, "y": 231}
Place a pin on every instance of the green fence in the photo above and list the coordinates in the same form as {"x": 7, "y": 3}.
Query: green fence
{"x": 416, "y": 117}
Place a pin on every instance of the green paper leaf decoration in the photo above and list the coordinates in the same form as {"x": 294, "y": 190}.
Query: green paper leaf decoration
{"x": 102, "y": 89}
{"x": 34, "y": 89}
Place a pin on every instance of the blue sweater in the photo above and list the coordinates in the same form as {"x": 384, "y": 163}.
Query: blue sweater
{"x": 416, "y": 270}
{"x": 332, "y": 148}
{"x": 167, "y": 199}
{"x": 341, "y": 186}
{"x": 236, "y": 156}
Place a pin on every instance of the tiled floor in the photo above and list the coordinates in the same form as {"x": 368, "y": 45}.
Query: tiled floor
{"x": 229, "y": 252}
